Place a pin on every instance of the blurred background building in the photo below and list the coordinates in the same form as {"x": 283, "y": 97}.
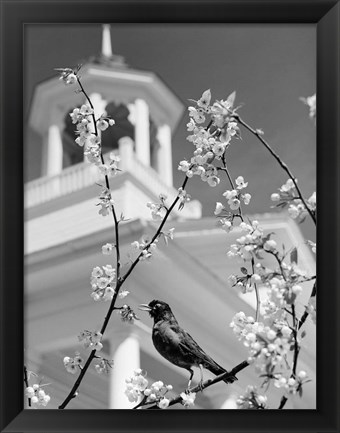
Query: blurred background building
{"x": 64, "y": 235}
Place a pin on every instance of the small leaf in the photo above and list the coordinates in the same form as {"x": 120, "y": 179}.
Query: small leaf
{"x": 231, "y": 98}
{"x": 294, "y": 256}
{"x": 267, "y": 237}
{"x": 206, "y": 97}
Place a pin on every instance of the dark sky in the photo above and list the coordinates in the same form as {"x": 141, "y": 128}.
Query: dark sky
{"x": 269, "y": 66}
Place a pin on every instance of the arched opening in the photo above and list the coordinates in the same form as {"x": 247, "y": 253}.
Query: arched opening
{"x": 73, "y": 153}
{"x": 122, "y": 128}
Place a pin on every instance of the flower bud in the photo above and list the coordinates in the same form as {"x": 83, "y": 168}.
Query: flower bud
{"x": 302, "y": 374}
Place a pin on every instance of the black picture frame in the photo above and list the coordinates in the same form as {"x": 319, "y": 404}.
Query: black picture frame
{"x": 14, "y": 15}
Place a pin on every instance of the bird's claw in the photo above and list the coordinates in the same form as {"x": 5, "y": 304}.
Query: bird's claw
{"x": 200, "y": 385}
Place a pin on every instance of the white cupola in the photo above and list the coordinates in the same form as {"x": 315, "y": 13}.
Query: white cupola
{"x": 145, "y": 110}
{"x": 65, "y": 185}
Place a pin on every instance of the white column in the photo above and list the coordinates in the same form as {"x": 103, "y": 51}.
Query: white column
{"x": 126, "y": 360}
{"x": 53, "y": 151}
{"x": 164, "y": 154}
{"x": 142, "y": 131}
{"x": 126, "y": 153}
{"x": 52, "y": 159}
{"x": 230, "y": 403}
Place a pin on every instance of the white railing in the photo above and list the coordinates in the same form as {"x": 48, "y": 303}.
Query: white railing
{"x": 83, "y": 175}
{"x": 80, "y": 176}
{"x": 71, "y": 179}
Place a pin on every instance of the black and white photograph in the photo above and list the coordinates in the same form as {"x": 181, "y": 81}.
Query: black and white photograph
{"x": 170, "y": 216}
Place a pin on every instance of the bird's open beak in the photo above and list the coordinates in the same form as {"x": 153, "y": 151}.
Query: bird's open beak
{"x": 144, "y": 307}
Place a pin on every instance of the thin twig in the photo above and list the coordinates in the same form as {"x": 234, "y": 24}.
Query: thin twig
{"x": 73, "y": 391}
{"x": 106, "y": 181}
{"x": 257, "y": 314}
{"x": 295, "y": 329}
{"x": 279, "y": 261}
{"x": 208, "y": 383}
{"x": 123, "y": 279}
{"x": 283, "y": 401}
{"x": 119, "y": 281}
{"x": 225, "y": 169}
{"x": 141, "y": 403}
{"x": 296, "y": 345}
{"x": 306, "y": 312}
{"x": 278, "y": 159}
{"x": 27, "y": 384}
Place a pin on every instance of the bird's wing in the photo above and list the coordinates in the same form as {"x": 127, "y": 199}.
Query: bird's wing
{"x": 190, "y": 349}
{"x": 202, "y": 358}
{"x": 189, "y": 344}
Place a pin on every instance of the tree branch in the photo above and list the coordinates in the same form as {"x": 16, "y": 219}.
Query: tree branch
{"x": 283, "y": 401}
{"x": 278, "y": 159}
{"x": 107, "y": 183}
{"x": 119, "y": 281}
{"x": 27, "y": 384}
{"x": 133, "y": 265}
{"x": 225, "y": 169}
{"x": 256, "y": 293}
{"x": 306, "y": 313}
{"x": 296, "y": 345}
{"x": 208, "y": 383}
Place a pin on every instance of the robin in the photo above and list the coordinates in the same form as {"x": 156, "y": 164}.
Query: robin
{"x": 176, "y": 345}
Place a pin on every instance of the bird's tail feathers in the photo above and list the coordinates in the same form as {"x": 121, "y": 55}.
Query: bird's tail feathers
{"x": 230, "y": 379}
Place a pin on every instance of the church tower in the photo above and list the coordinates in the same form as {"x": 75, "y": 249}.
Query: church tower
{"x": 146, "y": 113}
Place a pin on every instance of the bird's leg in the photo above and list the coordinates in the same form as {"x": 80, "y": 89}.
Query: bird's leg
{"x": 189, "y": 383}
{"x": 201, "y": 381}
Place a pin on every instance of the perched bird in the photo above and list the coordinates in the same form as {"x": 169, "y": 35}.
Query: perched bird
{"x": 176, "y": 345}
